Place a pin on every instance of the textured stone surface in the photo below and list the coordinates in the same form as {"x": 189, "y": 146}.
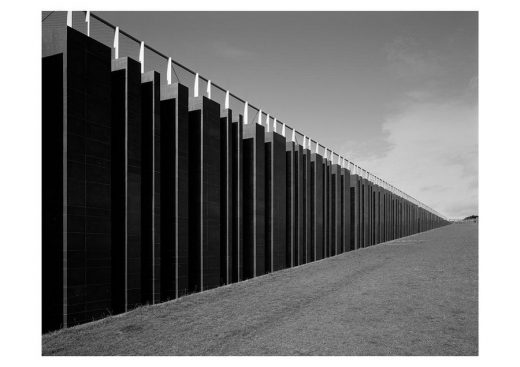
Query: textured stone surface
{"x": 204, "y": 204}
{"x": 126, "y": 184}
{"x": 151, "y": 188}
{"x": 76, "y": 162}
{"x": 254, "y": 200}
{"x": 227, "y": 187}
{"x": 275, "y": 208}
{"x": 238, "y": 201}
{"x": 317, "y": 218}
{"x": 174, "y": 180}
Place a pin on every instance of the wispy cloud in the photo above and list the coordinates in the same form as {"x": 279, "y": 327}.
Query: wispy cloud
{"x": 433, "y": 156}
{"x": 431, "y": 135}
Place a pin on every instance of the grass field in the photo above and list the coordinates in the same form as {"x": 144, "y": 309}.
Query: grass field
{"x": 413, "y": 296}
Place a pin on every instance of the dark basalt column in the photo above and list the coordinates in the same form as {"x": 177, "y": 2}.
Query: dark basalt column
{"x": 381, "y": 214}
{"x": 369, "y": 214}
{"x": 394, "y": 217}
{"x": 300, "y": 240}
{"x": 390, "y": 216}
{"x": 335, "y": 248}
{"x": 354, "y": 212}
{"x": 371, "y": 206}
{"x": 389, "y": 209}
{"x": 204, "y": 194}
{"x": 317, "y": 178}
{"x": 400, "y": 218}
{"x": 275, "y": 194}
{"x": 366, "y": 213}
{"x": 226, "y": 196}
{"x": 254, "y": 200}
{"x": 151, "y": 188}
{"x": 295, "y": 233}
{"x": 237, "y": 201}
{"x": 412, "y": 218}
{"x": 405, "y": 218}
{"x": 372, "y": 214}
{"x": 126, "y": 184}
{"x": 306, "y": 212}
{"x": 327, "y": 233}
{"x": 387, "y": 215}
{"x": 345, "y": 209}
{"x": 291, "y": 206}
{"x": 361, "y": 212}
{"x": 76, "y": 184}
{"x": 174, "y": 207}
{"x": 415, "y": 219}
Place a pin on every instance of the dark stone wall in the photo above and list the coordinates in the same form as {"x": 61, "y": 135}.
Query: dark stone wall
{"x": 226, "y": 196}
{"x": 336, "y": 210}
{"x": 306, "y": 212}
{"x": 366, "y": 213}
{"x": 238, "y": 201}
{"x": 300, "y": 230}
{"x": 150, "y": 188}
{"x": 52, "y": 187}
{"x": 345, "y": 210}
{"x": 317, "y": 219}
{"x": 126, "y": 184}
{"x": 76, "y": 160}
{"x": 174, "y": 207}
{"x": 275, "y": 208}
{"x": 354, "y": 212}
{"x": 326, "y": 208}
{"x": 88, "y": 182}
{"x": 148, "y": 196}
{"x": 204, "y": 193}
{"x": 254, "y": 200}
{"x": 295, "y": 204}
{"x": 291, "y": 197}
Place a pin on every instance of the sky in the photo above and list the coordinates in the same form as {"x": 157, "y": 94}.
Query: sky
{"x": 394, "y": 92}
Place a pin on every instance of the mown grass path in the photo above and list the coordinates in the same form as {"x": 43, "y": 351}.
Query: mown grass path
{"x": 413, "y": 296}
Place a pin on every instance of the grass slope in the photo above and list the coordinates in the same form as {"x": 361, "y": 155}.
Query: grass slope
{"x": 413, "y": 296}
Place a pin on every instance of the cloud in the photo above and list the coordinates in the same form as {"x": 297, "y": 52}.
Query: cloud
{"x": 433, "y": 155}
{"x": 428, "y": 146}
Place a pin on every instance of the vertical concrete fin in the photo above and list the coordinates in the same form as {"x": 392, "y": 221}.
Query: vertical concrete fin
{"x": 87, "y": 20}
{"x": 196, "y": 86}
{"x": 293, "y": 139}
{"x": 226, "y": 101}
{"x": 274, "y": 124}
{"x": 246, "y": 113}
{"x": 283, "y": 130}
{"x": 259, "y": 121}
{"x": 267, "y": 123}
{"x": 69, "y": 19}
{"x": 208, "y": 89}
{"x": 141, "y": 57}
{"x": 169, "y": 71}
{"x": 317, "y": 148}
{"x": 116, "y": 43}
